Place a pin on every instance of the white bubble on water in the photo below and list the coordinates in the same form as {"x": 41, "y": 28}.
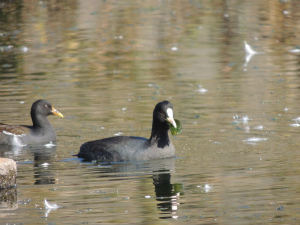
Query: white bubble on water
{"x": 253, "y": 140}
{"x": 296, "y": 119}
{"x": 295, "y": 50}
{"x": 202, "y": 90}
{"x": 285, "y": 12}
{"x": 206, "y": 188}
{"x": 259, "y": 127}
{"x": 245, "y": 119}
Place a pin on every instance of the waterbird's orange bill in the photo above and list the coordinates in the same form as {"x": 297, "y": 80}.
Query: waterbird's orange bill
{"x": 56, "y": 113}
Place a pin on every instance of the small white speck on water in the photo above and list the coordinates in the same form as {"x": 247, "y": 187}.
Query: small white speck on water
{"x": 296, "y": 119}
{"x": 285, "y": 12}
{"x": 246, "y": 119}
{"x": 206, "y": 188}
{"x": 247, "y": 129}
{"x": 24, "y": 49}
{"x": 255, "y": 139}
{"x": 202, "y": 90}
{"x": 295, "y": 125}
{"x": 295, "y": 50}
{"x": 259, "y": 127}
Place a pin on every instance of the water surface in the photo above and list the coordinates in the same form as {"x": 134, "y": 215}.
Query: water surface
{"x": 105, "y": 64}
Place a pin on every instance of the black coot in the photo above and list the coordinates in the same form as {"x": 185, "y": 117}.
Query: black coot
{"x": 40, "y": 132}
{"x": 127, "y": 148}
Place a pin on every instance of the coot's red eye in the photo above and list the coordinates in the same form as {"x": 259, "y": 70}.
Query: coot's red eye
{"x": 161, "y": 111}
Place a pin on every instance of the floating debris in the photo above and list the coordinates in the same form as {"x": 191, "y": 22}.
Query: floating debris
{"x": 259, "y": 127}
{"x": 249, "y": 50}
{"x": 174, "y": 48}
{"x": 24, "y": 49}
{"x": 295, "y": 125}
{"x": 202, "y": 90}
{"x": 296, "y": 119}
{"x": 118, "y": 37}
{"x": 153, "y": 85}
{"x": 295, "y": 50}
{"x": 249, "y": 53}
{"x": 247, "y": 129}
{"x": 243, "y": 119}
{"x": 285, "y": 12}
{"x": 50, "y": 205}
{"x": 207, "y": 187}
{"x": 255, "y": 139}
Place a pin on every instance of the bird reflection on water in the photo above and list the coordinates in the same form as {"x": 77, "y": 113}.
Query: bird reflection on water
{"x": 42, "y": 155}
{"x": 167, "y": 194}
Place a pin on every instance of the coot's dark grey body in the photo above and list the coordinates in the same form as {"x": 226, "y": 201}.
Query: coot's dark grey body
{"x": 127, "y": 148}
{"x": 40, "y": 132}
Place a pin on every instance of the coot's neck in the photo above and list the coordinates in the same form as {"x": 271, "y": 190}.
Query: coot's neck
{"x": 39, "y": 121}
{"x": 159, "y": 135}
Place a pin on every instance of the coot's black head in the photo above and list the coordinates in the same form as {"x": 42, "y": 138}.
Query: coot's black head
{"x": 162, "y": 113}
{"x": 44, "y": 108}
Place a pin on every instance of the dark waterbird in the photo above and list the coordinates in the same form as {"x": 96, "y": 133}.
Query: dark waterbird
{"x": 40, "y": 132}
{"x": 127, "y": 148}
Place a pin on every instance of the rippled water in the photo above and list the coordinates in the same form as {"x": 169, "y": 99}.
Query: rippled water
{"x": 105, "y": 64}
